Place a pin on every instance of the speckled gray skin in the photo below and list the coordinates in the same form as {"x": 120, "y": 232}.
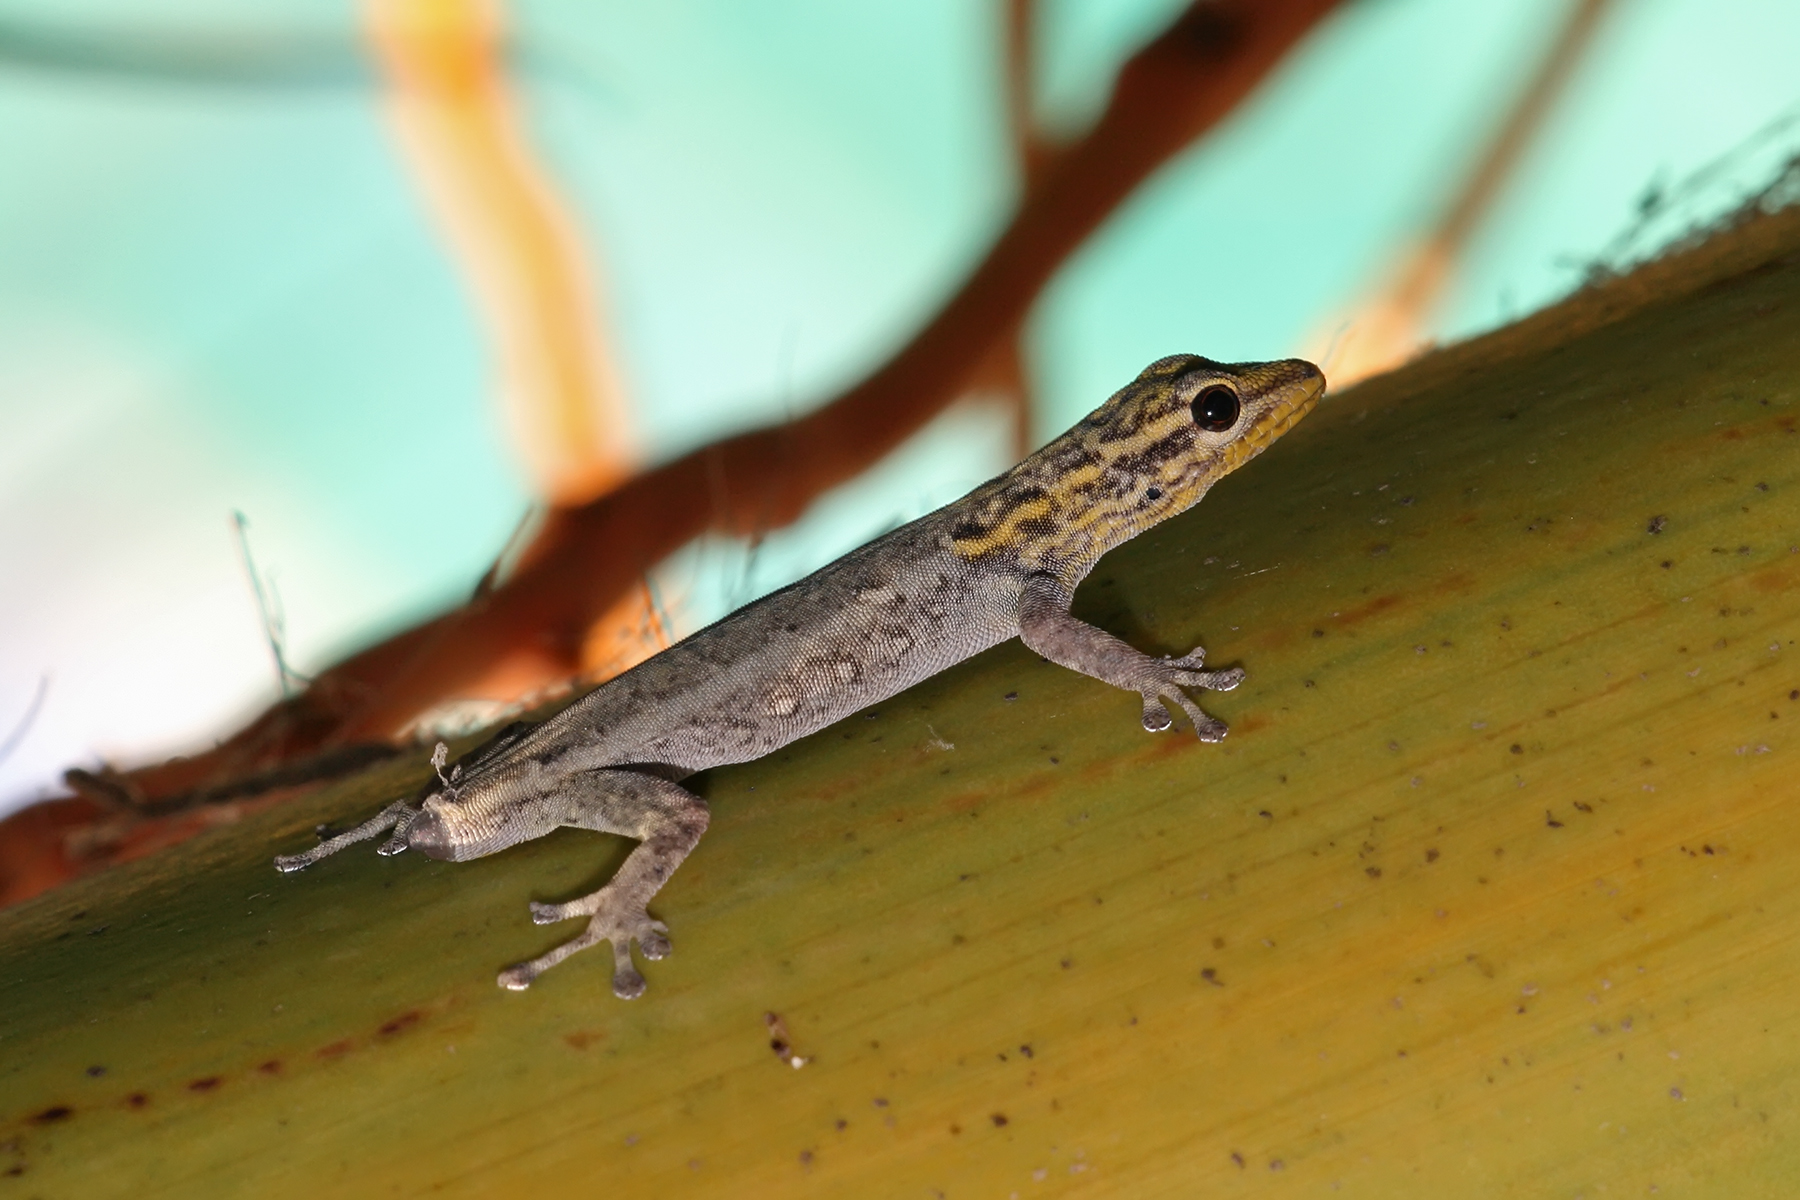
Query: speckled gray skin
{"x": 1002, "y": 562}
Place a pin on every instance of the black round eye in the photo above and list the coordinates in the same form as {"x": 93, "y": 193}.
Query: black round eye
{"x": 1153, "y": 494}
{"x": 1216, "y": 409}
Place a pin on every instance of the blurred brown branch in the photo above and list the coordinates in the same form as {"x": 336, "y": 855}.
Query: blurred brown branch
{"x": 525, "y": 634}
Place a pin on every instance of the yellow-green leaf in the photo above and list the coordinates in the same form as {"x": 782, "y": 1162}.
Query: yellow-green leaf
{"x": 1490, "y": 892}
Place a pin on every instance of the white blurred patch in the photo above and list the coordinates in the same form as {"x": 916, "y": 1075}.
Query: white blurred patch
{"x": 119, "y": 579}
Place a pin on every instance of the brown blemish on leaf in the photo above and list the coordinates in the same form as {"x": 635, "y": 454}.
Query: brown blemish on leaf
{"x": 403, "y": 1022}
{"x": 1778, "y": 579}
{"x": 335, "y": 1050}
{"x": 1244, "y": 726}
{"x": 1362, "y": 612}
{"x": 53, "y": 1114}
{"x": 206, "y": 1083}
{"x": 272, "y": 1067}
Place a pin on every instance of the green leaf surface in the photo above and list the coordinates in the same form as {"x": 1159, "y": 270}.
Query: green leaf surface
{"x": 1489, "y": 893}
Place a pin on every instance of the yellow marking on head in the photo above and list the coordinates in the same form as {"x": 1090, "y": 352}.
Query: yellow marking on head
{"x": 1138, "y": 459}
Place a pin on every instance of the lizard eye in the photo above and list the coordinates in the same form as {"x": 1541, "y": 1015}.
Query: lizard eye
{"x": 1215, "y": 409}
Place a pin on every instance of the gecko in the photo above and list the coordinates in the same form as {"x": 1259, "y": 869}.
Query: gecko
{"x": 1001, "y": 562}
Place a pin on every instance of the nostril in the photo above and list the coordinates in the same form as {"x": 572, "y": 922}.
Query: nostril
{"x": 428, "y": 836}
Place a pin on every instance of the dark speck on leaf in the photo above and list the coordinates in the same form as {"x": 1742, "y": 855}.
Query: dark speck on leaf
{"x": 96, "y": 1072}
{"x": 53, "y": 1114}
{"x": 1657, "y": 524}
{"x": 999, "y": 1120}
{"x": 1551, "y": 821}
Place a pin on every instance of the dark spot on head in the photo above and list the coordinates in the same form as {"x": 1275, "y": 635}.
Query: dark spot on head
{"x": 53, "y": 1114}
{"x": 206, "y": 1084}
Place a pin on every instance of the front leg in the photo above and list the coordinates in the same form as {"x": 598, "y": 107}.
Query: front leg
{"x": 1046, "y": 627}
{"x": 668, "y": 820}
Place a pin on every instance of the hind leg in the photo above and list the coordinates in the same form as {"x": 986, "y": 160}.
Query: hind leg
{"x": 668, "y": 821}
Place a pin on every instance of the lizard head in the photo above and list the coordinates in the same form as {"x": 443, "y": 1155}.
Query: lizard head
{"x": 1151, "y": 451}
{"x": 1186, "y": 422}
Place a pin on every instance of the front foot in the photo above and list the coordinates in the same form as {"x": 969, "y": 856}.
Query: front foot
{"x": 610, "y": 919}
{"x": 1169, "y": 676}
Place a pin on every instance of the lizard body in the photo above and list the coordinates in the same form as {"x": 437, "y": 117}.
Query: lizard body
{"x": 1001, "y": 562}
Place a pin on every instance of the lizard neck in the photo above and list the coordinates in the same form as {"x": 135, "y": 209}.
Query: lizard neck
{"x": 1066, "y": 505}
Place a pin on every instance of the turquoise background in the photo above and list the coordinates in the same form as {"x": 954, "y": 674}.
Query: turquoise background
{"x": 220, "y": 288}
